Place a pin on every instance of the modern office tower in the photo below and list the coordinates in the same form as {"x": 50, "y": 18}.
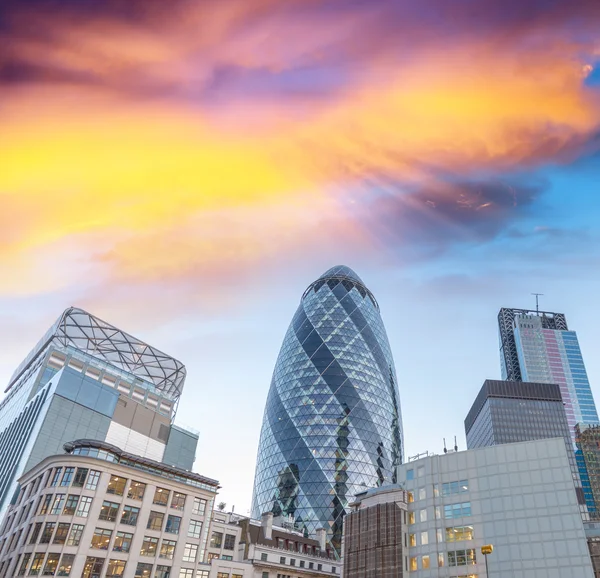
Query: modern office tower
{"x": 588, "y": 453}
{"x": 517, "y": 497}
{"x": 538, "y": 347}
{"x": 86, "y": 379}
{"x": 332, "y": 425}
{"x": 375, "y": 534}
{"x": 98, "y": 511}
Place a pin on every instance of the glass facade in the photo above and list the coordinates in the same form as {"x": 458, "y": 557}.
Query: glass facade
{"x": 332, "y": 424}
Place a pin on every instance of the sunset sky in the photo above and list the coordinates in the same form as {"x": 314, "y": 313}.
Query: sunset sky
{"x": 184, "y": 169}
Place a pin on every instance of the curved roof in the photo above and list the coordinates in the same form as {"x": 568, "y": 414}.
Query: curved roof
{"x": 341, "y": 272}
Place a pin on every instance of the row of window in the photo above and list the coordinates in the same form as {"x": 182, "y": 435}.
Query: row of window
{"x": 455, "y": 558}
{"x": 282, "y": 560}
{"x": 452, "y": 534}
{"x": 448, "y": 489}
{"x": 450, "y": 511}
{"x": 216, "y": 541}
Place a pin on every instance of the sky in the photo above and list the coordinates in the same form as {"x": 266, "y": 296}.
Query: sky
{"x": 185, "y": 169}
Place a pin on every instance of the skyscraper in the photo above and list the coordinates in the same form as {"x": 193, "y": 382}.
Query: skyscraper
{"x": 86, "y": 379}
{"x": 332, "y": 425}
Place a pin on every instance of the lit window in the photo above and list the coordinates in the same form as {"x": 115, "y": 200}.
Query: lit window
{"x": 51, "y": 564}
{"x": 36, "y": 565}
{"x": 411, "y": 518}
{"x": 115, "y": 569}
{"x": 412, "y": 540}
{"x": 441, "y": 560}
{"x": 116, "y": 485}
{"x": 425, "y": 562}
{"x": 190, "y": 552}
{"x": 101, "y": 538}
{"x": 413, "y": 563}
{"x": 136, "y": 490}
{"x": 161, "y": 497}
{"x": 149, "y": 546}
{"x": 57, "y": 506}
{"x": 424, "y": 538}
{"x": 109, "y": 511}
{"x": 216, "y": 540}
{"x": 167, "y": 549}
{"x": 66, "y": 563}
{"x": 92, "y": 567}
{"x": 178, "y": 501}
{"x": 70, "y": 505}
{"x": 155, "y": 521}
{"x": 122, "y": 542}
{"x": 130, "y": 515}
{"x": 410, "y": 497}
{"x": 143, "y": 570}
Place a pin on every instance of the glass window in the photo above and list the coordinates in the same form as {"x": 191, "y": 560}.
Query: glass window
{"x": 122, "y": 542}
{"x": 173, "y": 524}
{"x": 422, "y": 493}
{"x": 45, "y": 505}
{"x": 101, "y": 538}
{"x": 75, "y": 535}
{"x": 452, "y": 488}
{"x": 195, "y": 529}
{"x": 161, "y": 497}
{"x": 36, "y": 565}
{"x": 92, "y": 481}
{"x": 189, "y": 552}
{"x": 424, "y": 538}
{"x": 149, "y": 546}
{"x": 412, "y": 540}
{"x": 457, "y": 510}
{"x": 425, "y": 562}
{"x": 56, "y": 477}
{"x": 109, "y": 511}
{"x": 67, "y": 478}
{"x": 412, "y": 563}
{"x": 438, "y": 512}
{"x": 84, "y": 507}
{"x": 35, "y": 533}
{"x": 51, "y": 564}
{"x": 199, "y": 507}
{"x": 440, "y": 559}
{"x": 116, "y": 485}
{"x": 57, "y": 506}
{"x": 66, "y": 563}
{"x": 71, "y": 505}
{"x": 62, "y": 532}
{"x": 439, "y": 535}
{"x": 205, "y": 574}
{"x": 423, "y": 515}
{"x": 229, "y": 542}
{"x": 47, "y": 533}
{"x": 459, "y": 533}
{"x": 410, "y": 497}
{"x": 178, "y": 501}
{"x": 162, "y": 571}
{"x": 130, "y": 515}
{"x": 115, "y": 569}
{"x": 411, "y": 518}
{"x": 155, "y": 521}
{"x": 24, "y": 564}
{"x": 187, "y": 573}
{"x": 216, "y": 540}
{"x": 136, "y": 490}
{"x": 80, "y": 477}
{"x": 222, "y": 575}
{"x": 143, "y": 570}
{"x": 410, "y": 474}
{"x": 167, "y": 549}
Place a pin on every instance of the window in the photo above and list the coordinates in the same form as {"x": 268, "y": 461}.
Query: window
{"x": 459, "y": 533}
{"x": 452, "y": 488}
{"x": 222, "y": 575}
{"x": 216, "y": 540}
{"x": 410, "y": 497}
{"x": 61, "y": 533}
{"x": 441, "y": 560}
{"x": 92, "y": 567}
{"x": 70, "y": 505}
{"x": 462, "y": 557}
{"x": 136, "y": 490}
{"x": 67, "y": 479}
{"x": 423, "y": 515}
{"x": 422, "y": 493}
{"x": 116, "y": 485}
{"x": 425, "y": 562}
{"x": 57, "y": 506}
{"x": 24, "y": 564}
{"x": 202, "y": 573}
{"x": 190, "y": 552}
{"x": 439, "y": 536}
{"x": 161, "y": 497}
{"x": 66, "y": 563}
{"x": 36, "y": 565}
{"x": 292, "y": 561}
{"x": 282, "y": 560}
{"x": 51, "y": 564}
{"x": 263, "y": 557}
{"x": 167, "y": 549}
{"x": 47, "y": 533}
{"x": 56, "y": 477}
{"x": 199, "y": 507}
{"x": 178, "y": 501}
{"x": 237, "y": 576}
{"x": 173, "y": 524}
{"x": 130, "y": 515}
{"x": 143, "y": 570}
{"x": 75, "y": 535}
{"x": 122, "y": 542}
{"x": 301, "y": 563}
{"x": 195, "y": 529}
{"x": 413, "y": 563}
{"x": 92, "y": 481}
{"x": 149, "y": 546}
{"x": 115, "y": 568}
{"x": 457, "y": 510}
{"x": 84, "y": 507}
{"x": 229, "y": 542}
{"x": 424, "y": 538}
{"x": 36, "y": 532}
{"x": 162, "y": 572}
{"x": 412, "y": 540}
{"x": 189, "y": 573}
{"x": 212, "y": 556}
{"x": 410, "y": 474}
{"x": 101, "y": 538}
{"x": 155, "y": 521}
{"x": 80, "y": 477}
{"x": 438, "y": 512}
{"x": 109, "y": 511}
{"x": 411, "y": 518}
{"x": 45, "y": 505}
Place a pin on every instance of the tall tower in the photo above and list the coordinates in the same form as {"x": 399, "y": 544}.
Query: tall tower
{"x": 332, "y": 425}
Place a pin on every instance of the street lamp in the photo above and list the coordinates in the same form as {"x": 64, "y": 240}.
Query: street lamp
{"x": 485, "y": 550}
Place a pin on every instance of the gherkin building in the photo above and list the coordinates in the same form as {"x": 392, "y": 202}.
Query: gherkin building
{"x": 332, "y": 425}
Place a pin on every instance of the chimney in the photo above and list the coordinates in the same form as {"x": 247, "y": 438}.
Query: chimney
{"x": 322, "y": 537}
{"x": 267, "y": 525}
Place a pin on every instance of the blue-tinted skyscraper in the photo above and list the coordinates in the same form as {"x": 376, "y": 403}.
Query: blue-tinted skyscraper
{"x": 332, "y": 425}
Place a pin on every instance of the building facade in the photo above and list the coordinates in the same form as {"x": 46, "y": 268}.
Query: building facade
{"x": 99, "y": 512}
{"x": 375, "y": 534}
{"x": 332, "y": 424}
{"x": 518, "y": 497}
{"x": 88, "y": 379}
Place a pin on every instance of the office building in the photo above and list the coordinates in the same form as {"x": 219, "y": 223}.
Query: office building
{"x": 517, "y": 497}
{"x": 587, "y": 439}
{"x": 538, "y": 347}
{"x": 87, "y": 379}
{"x": 332, "y": 423}
{"x": 99, "y": 511}
{"x": 375, "y": 534}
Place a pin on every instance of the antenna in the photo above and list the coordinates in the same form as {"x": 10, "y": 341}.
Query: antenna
{"x": 445, "y": 450}
{"x": 455, "y": 445}
{"x": 537, "y": 304}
